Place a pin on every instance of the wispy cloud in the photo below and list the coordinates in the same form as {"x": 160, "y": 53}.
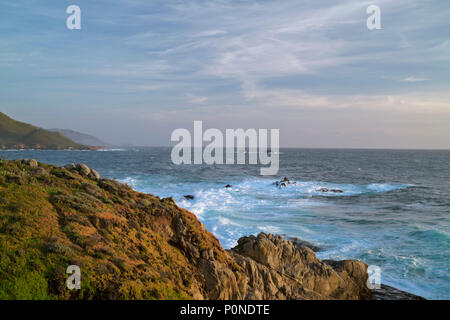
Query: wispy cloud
{"x": 196, "y": 99}
{"x": 414, "y": 79}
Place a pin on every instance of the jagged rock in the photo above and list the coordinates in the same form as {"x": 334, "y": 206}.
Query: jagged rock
{"x": 83, "y": 169}
{"x": 299, "y": 271}
{"x": 189, "y": 197}
{"x": 390, "y": 293}
{"x": 94, "y": 175}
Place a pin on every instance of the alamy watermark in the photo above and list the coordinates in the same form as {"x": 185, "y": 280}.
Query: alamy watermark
{"x": 74, "y": 280}
{"x": 73, "y": 22}
{"x": 235, "y": 146}
{"x": 374, "y": 20}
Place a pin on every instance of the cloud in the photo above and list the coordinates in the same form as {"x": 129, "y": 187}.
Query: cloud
{"x": 289, "y": 101}
{"x": 196, "y": 99}
{"x": 211, "y": 33}
{"x": 414, "y": 79}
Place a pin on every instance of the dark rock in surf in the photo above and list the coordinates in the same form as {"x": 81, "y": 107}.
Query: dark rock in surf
{"x": 189, "y": 197}
{"x": 302, "y": 243}
{"x": 329, "y": 190}
{"x": 389, "y": 293}
{"x": 283, "y": 183}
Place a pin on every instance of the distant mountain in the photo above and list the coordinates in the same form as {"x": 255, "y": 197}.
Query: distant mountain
{"x": 81, "y": 138}
{"x": 20, "y": 135}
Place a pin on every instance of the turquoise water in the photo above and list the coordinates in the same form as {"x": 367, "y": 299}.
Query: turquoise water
{"x": 394, "y": 211}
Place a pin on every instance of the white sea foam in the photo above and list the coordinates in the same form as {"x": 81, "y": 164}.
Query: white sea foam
{"x": 111, "y": 150}
{"x": 270, "y": 229}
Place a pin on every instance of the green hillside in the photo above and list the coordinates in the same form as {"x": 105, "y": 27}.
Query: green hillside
{"x": 19, "y": 135}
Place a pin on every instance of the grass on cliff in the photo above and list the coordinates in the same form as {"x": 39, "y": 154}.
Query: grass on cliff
{"x": 51, "y": 218}
{"x": 15, "y": 134}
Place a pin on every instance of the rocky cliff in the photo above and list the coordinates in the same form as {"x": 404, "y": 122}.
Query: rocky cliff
{"x": 131, "y": 245}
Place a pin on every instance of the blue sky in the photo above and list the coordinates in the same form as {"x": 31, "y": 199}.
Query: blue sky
{"x": 138, "y": 69}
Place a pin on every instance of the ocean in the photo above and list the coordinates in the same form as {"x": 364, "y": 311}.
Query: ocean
{"x": 394, "y": 211}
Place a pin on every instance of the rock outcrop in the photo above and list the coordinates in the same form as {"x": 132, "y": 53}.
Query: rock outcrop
{"x": 391, "y": 293}
{"x": 280, "y": 269}
{"x": 31, "y": 162}
{"x": 94, "y": 175}
{"x": 131, "y": 245}
{"x": 83, "y": 169}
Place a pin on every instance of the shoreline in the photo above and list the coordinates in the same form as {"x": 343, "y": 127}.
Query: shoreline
{"x": 251, "y": 270}
{"x": 88, "y": 148}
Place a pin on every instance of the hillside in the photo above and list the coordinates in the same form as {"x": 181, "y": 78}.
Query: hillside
{"x": 20, "y": 135}
{"x": 131, "y": 245}
{"x": 81, "y": 138}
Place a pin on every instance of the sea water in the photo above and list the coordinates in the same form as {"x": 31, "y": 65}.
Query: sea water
{"x": 394, "y": 211}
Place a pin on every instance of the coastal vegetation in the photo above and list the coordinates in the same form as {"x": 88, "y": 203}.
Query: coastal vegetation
{"x": 20, "y": 135}
{"x": 131, "y": 245}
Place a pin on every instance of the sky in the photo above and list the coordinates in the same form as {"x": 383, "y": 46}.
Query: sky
{"x": 139, "y": 69}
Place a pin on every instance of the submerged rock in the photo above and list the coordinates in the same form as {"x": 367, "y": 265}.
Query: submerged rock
{"x": 189, "y": 197}
{"x": 329, "y": 190}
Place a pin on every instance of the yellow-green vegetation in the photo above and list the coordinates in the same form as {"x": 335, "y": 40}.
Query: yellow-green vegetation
{"x": 128, "y": 245}
{"x": 19, "y": 135}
